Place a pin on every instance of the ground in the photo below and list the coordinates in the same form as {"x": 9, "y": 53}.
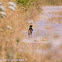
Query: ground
{"x": 45, "y": 43}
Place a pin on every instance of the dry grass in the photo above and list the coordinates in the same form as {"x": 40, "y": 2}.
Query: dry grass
{"x": 18, "y": 21}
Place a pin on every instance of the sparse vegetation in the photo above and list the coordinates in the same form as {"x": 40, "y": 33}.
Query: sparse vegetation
{"x": 24, "y": 2}
{"x": 10, "y": 54}
{"x": 37, "y": 2}
{"x": 59, "y": 61}
{"x": 0, "y": 50}
{"x": 0, "y": 9}
{"x": 26, "y": 10}
{"x": 17, "y": 41}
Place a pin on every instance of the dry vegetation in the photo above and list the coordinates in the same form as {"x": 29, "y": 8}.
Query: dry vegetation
{"x": 10, "y": 40}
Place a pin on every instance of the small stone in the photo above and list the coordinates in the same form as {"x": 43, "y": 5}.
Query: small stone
{"x": 31, "y": 21}
{"x": 9, "y": 27}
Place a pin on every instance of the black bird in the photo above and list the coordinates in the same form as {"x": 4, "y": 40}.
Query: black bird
{"x": 30, "y": 30}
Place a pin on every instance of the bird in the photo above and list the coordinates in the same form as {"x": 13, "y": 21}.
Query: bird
{"x": 30, "y": 30}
